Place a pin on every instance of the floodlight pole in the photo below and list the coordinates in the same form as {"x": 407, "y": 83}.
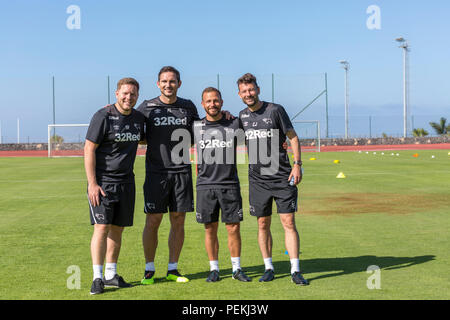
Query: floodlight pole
{"x": 326, "y": 104}
{"x": 109, "y": 92}
{"x": 405, "y": 46}
{"x": 18, "y": 130}
{"x": 54, "y": 105}
{"x": 346, "y": 67}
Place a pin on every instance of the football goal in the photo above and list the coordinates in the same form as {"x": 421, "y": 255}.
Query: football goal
{"x": 66, "y": 140}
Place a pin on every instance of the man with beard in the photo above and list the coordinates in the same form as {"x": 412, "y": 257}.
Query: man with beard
{"x": 266, "y": 126}
{"x": 218, "y": 183}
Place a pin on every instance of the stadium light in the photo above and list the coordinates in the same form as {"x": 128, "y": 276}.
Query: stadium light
{"x": 405, "y": 46}
{"x": 346, "y": 67}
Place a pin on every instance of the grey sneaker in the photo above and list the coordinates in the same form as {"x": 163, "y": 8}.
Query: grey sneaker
{"x": 268, "y": 275}
{"x": 240, "y": 275}
{"x": 213, "y": 276}
{"x": 297, "y": 278}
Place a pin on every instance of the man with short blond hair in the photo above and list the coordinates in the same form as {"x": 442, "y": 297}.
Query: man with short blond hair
{"x": 109, "y": 154}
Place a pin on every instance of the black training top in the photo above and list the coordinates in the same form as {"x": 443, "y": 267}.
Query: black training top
{"x": 169, "y": 129}
{"x": 117, "y": 136}
{"x": 260, "y": 128}
{"x": 216, "y": 143}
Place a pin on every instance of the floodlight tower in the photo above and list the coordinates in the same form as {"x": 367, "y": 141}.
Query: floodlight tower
{"x": 405, "y": 46}
{"x": 346, "y": 67}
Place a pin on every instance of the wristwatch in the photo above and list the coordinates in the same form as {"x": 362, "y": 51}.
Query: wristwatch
{"x": 298, "y": 162}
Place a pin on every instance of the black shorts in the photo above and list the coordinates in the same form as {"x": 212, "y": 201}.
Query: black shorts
{"x": 262, "y": 194}
{"x": 209, "y": 201}
{"x": 168, "y": 192}
{"x": 117, "y": 207}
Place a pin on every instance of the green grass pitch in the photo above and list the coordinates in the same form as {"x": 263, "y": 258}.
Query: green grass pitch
{"x": 390, "y": 211}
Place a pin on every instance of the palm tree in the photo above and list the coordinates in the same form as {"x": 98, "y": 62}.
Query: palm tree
{"x": 441, "y": 128}
{"x": 419, "y": 132}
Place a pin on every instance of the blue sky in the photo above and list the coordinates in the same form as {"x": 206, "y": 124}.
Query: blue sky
{"x": 297, "y": 41}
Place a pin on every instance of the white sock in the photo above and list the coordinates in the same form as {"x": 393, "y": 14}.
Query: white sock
{"x": 150, "y": 266}
{"x": 236, "y": 263}
{"x": 268, "y": 263}
{"x": 98, "y": 271}
{"x": 295, "y": 265}
{"x": 213, "y": 265}
{"x": 110, "y": 270}
{"x": 173, "y": 266}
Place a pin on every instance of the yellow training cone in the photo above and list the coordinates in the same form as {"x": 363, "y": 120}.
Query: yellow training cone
{"x": 341, "y": 175}
{"x": 312, "y": 159}
{"x": 337, "y": 161}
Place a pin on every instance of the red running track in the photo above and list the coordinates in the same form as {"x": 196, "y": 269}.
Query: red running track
{"x": 441, "y": 146}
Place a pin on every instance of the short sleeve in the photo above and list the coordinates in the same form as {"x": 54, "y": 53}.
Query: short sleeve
{"x": 283, "y": 120}
{"x": 96, "y": 130}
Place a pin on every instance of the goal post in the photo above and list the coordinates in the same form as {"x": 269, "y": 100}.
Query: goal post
{"x": 66, "y": 140}
{"x": 308, "y": 132}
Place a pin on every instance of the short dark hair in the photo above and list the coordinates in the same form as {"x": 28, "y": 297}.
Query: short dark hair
{"x": 211, "y": 89}
{"x": 131, "y": 81}
{"x": 247, "y": 79}
{"x": 169, "y": 69}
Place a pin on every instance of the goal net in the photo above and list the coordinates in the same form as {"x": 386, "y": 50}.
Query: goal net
{"x": 66, "y": 140}
{"x": 308, "y": 132}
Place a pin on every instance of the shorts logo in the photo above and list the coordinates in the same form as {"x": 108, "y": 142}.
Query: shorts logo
{"x": 293, "y": 204}
{"x": 151, "y": 206}
{"x": 100, "y": 216}
{"x": 252, "y": 209}
{"x": 198, "y": 216}
{"x": 240, "y": 214}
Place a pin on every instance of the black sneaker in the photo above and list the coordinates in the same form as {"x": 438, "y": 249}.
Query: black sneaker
{"x": 240, "y": 275}
{"x": 297, "y": 278}
{"x": 268, "y": 275}
{"x": 213, "y": 276}
{"x": 97, "y": 286}
{"x": 116, "y": 282}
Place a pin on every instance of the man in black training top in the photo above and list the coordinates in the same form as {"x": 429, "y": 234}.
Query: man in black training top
{"x": 109, "y": 153}
{"x": 271, "y": 178}
{"x": 168, "y": 183}
{"x": 218, "y": 183}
